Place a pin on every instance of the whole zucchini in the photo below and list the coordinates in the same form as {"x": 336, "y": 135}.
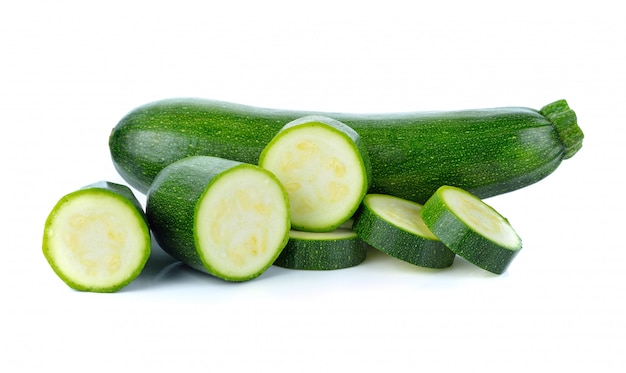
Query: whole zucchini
{"x": 486, "y": 151}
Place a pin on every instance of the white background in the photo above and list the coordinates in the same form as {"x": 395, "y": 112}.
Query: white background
{"x": 69, "y": 70}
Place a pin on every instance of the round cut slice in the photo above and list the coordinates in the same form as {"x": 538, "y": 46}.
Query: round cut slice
{"x": 324, "y": 168}
{"x": 96, "y": 239}
{"x": 471, "y": 228}
{"x": 393, "y": 225}
{"x": 241, "y": 222}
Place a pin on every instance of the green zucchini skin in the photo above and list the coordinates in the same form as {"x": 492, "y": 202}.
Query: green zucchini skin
{"x": 172, "y": 202}
{"x": 322, "y": 254}
{"x": 486, "y": 151}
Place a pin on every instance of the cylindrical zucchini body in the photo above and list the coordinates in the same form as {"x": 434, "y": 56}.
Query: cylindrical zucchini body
{"x": 218, "y": 216}
{"x": 486, "y": 152}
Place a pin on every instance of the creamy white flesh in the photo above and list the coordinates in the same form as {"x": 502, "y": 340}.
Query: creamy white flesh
{"x": 481, "y": 218}
{"x": 94, "y": 241}
{"x": 337, "y": 234}
{"x": 242, "y": 221}
{"x": 399, "y": 212}
{"x": 322, "y": 172}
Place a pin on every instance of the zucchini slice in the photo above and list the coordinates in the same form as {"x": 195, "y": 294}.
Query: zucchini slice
{"x": 325, "y": 169}
{"x": 393, "y": 225}
{"x": 97, "y": 238}
{"x": 218, "y": 216}
{"x": 340, "y": 248}
{"x": 471, "y": 228}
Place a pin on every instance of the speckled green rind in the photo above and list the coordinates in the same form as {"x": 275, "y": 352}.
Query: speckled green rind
{"x": 486, "y": 151}
{"x": 124, "y": 195}
{"x": 462, "y": 240}
{"x": 172, "y": 203}
{"x": 399, "y": 243}
{"x": 319, "y": 253}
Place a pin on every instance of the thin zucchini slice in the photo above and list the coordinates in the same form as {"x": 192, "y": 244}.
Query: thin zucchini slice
{"x": 221, "y": 217}
{"x": 471, "y": 228}
{"x": 393, "y": 225}
{"x": 325, "y": 169}
{"x": 97, "y": 238}
{"x": 340, "y": 248}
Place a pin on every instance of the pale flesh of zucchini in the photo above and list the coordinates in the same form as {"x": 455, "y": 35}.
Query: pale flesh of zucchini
{"x": 401, "y": 213}
{"x": 471, "y": 228}
{"x": 242, "y": 222}
{"x": 337, "y": 234}
{"x": 481, "y": 218}
{"x": 94, "y": 241}
{"x": 322, "y": 172}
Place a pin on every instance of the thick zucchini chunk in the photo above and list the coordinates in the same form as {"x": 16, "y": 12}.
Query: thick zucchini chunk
{"x": 97, "y": 238}
{"x": 221, "y": 217}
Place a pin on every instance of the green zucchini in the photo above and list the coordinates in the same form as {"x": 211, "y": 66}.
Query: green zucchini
{"x": 218, "y": 216}
{"x": 393, "y": 225}
{"x": 471, "y": 229}
{"x": 340, "y": 248}
{"x": 97, "y": 238}
{"x": 324, "y": 167}
{"x": 486, "y": 152}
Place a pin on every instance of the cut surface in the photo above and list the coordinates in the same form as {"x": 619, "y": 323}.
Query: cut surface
{"x": 337, "y": 234}
{"x": 394, "y": 226}
{"x": 242, "y": 222}
{"x": 96, "y": 241}
{"x": 481, "y": 218}
{"x": 471, "y": 229}
{"x": 322, "y": 171}
{"x": 400, "y": 212}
